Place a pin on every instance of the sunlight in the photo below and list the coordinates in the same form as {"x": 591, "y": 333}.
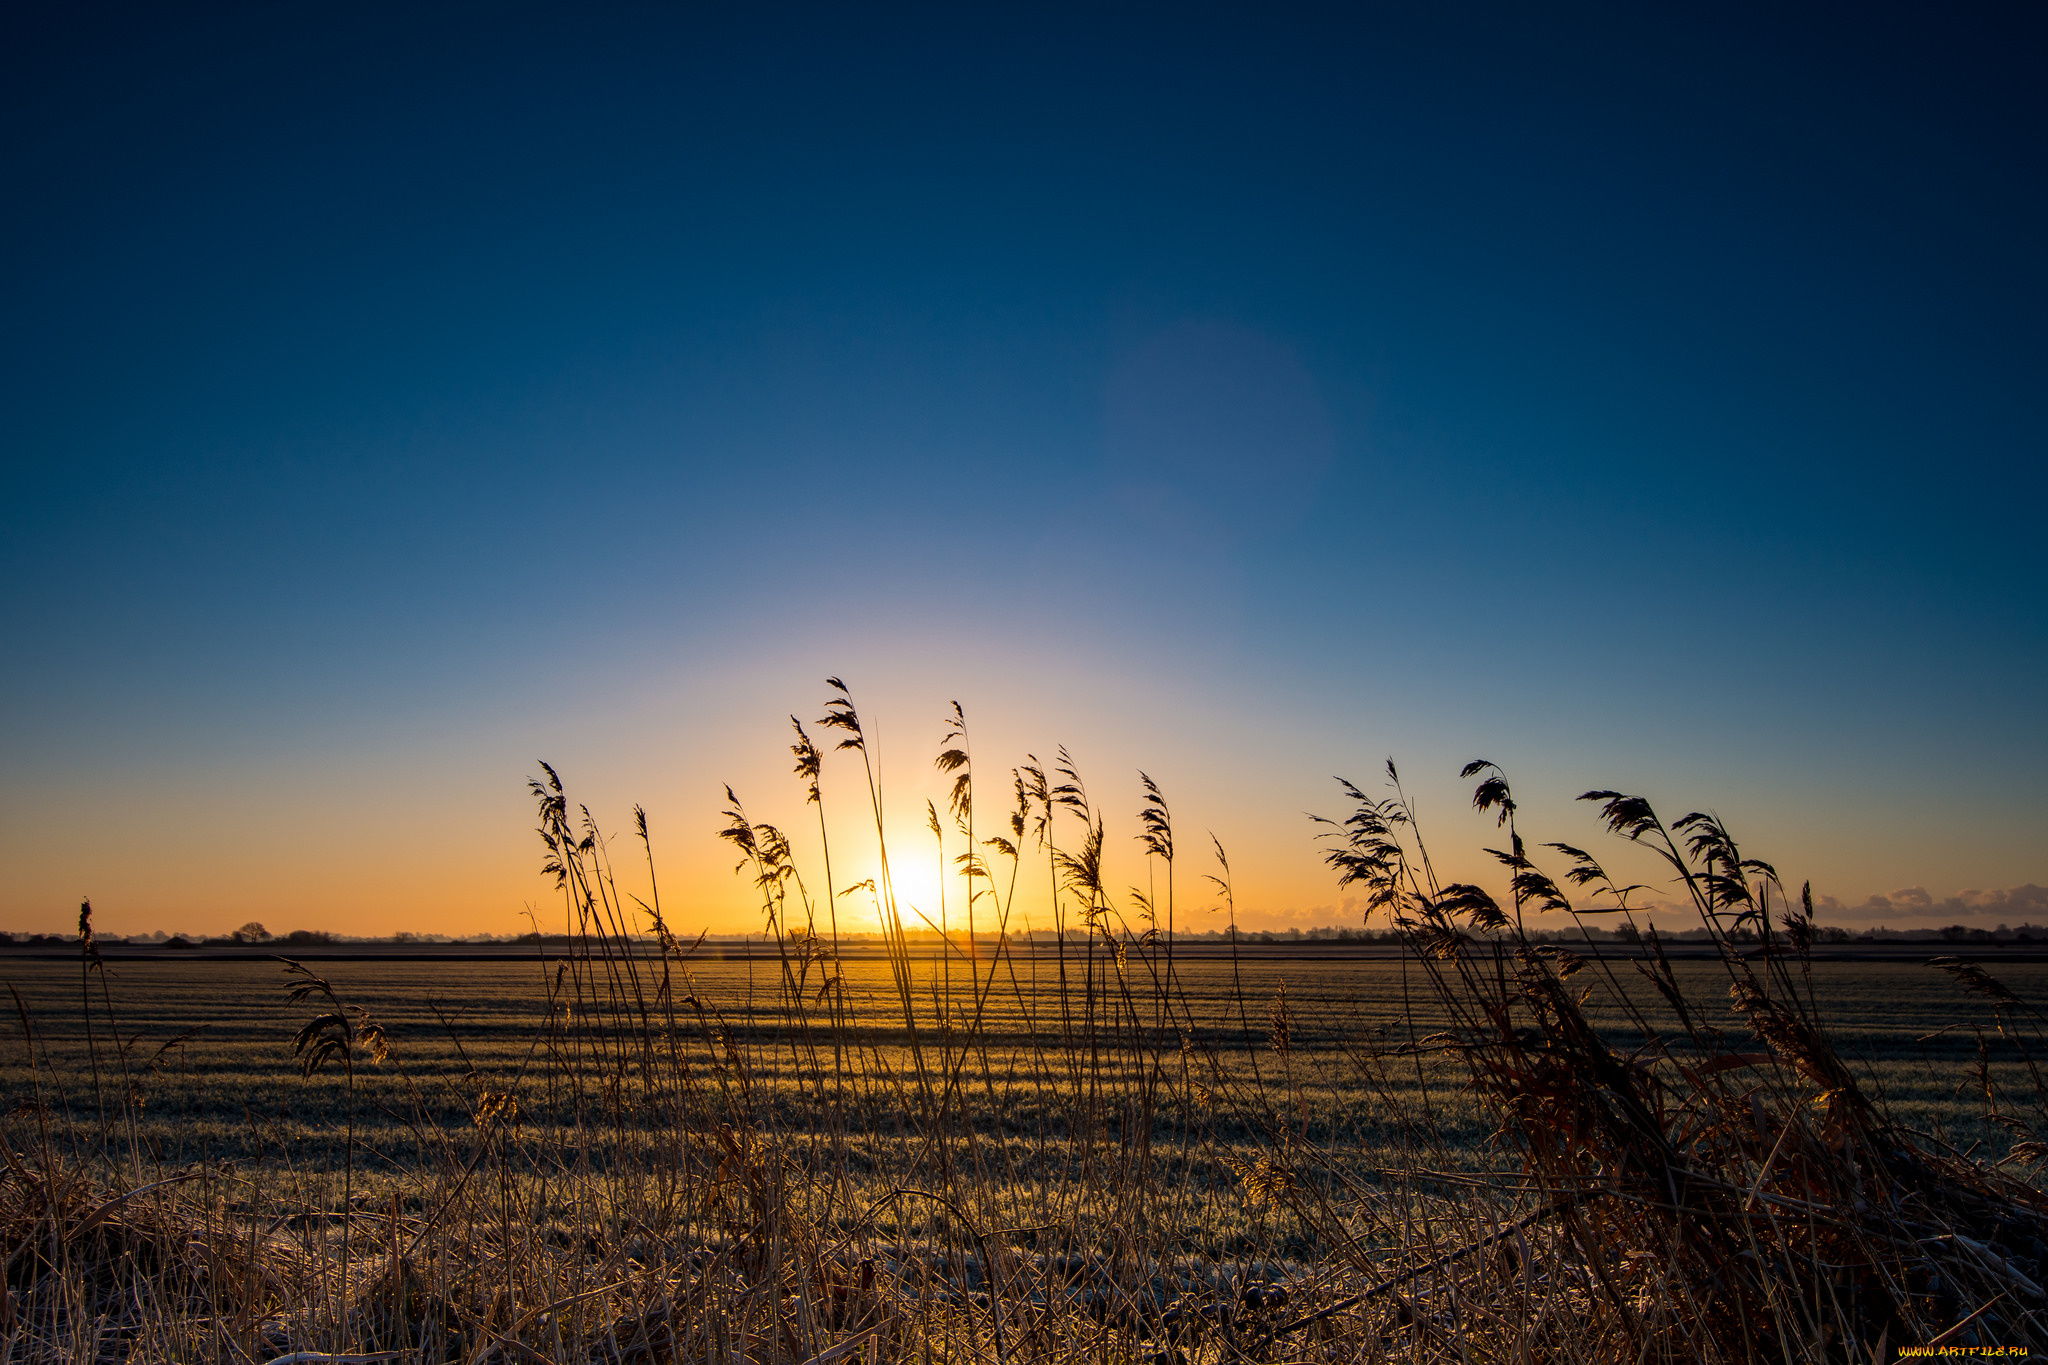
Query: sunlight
{"x": 914, "y": 874}
{"x": 917, "y": 889}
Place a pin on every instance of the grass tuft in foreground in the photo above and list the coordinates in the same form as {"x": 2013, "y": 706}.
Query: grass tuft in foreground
{"x": 1094, "y": 1150}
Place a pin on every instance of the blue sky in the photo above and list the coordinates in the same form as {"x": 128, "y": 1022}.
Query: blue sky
{"x": 392, "y": 398}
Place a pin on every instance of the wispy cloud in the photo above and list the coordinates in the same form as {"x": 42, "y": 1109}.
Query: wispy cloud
{"x": 1347, "y": 912}
{"x": 1914, "y": 905}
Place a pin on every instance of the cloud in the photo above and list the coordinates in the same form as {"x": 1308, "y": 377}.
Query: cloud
{"x": 1347, "y": 913}
{"x": 1905, "y": 908}
{"x": 1915, "y": 905}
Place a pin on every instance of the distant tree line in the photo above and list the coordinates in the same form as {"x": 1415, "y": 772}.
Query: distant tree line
{"x": 253, "y": 933}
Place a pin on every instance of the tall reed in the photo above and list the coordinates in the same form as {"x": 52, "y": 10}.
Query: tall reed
{"x": 1092, "y": 1149}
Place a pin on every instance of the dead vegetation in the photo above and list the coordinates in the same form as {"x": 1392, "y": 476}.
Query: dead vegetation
{"x": 661, "y": 1181}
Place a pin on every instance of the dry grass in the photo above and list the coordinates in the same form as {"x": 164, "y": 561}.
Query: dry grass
{"x": 1098, "y": 1153}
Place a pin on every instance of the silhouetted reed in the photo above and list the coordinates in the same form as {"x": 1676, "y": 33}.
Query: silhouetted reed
{"x": 1111, "y": 1163}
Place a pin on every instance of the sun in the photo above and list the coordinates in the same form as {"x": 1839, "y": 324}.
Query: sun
{"x": 918, "y": 896}
{"x": 915, "y": 883}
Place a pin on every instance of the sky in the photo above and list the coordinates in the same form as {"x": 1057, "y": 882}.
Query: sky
{"x": 395, "y": 397}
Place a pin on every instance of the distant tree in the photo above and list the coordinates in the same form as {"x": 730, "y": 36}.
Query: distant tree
{"x": 1955, "y": 933}
{"x": 252, "y": 932}
{"x": 301, "y": 937}
{"x": 177, "y": 941}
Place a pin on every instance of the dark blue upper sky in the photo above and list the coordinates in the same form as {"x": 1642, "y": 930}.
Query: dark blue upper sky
{"x": 1658, "y": 395}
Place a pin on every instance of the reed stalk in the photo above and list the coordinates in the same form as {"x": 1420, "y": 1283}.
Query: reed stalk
{"x": 1552, "y": 1149}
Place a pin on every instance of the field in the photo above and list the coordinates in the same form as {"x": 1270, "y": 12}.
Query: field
{"x": 1112, "y": 1180}
{"x": 629, "y": 1151}
{"x": 233, "y": 1092}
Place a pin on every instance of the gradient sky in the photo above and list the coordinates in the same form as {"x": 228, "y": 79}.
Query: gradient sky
{"x": 394, "y": 396}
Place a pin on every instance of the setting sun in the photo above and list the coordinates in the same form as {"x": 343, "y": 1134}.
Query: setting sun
{"x": 1143, "y": 685}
